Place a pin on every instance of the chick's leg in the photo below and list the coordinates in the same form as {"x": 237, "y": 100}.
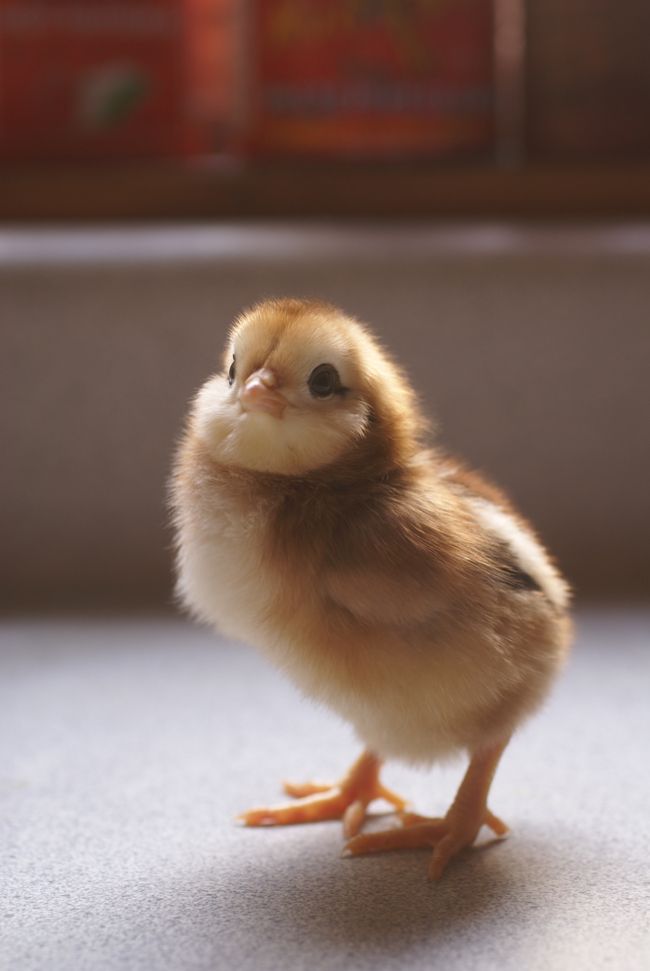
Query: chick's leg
{"x": 315, "y": 802}
{"x": 450, "y": 834}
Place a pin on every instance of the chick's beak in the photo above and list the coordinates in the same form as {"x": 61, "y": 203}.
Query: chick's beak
{"x": 260, "y": 394}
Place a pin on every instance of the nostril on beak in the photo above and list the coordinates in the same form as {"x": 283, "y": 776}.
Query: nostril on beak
{"x": 264, "y": 378}
{"x": 268, "y": 377}
{"x": 260, "y": 394}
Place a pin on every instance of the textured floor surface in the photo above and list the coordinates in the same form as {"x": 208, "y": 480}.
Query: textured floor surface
{"x": 126, "y": 748}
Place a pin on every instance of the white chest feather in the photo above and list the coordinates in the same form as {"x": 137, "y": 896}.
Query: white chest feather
{"x": 221, "y": 576}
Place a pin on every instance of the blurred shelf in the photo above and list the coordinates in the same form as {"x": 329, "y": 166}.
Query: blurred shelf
{"x": 214, "y": 189}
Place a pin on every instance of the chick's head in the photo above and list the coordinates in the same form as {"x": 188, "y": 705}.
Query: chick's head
{"x": 303, "y": 385}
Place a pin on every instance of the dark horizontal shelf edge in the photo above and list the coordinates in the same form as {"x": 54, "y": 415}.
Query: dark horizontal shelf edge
{"x": 215, "y": 190}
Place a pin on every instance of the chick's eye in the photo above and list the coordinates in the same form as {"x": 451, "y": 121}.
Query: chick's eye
{"x": 231, "y": 372}
{"x": 324, "y": 381}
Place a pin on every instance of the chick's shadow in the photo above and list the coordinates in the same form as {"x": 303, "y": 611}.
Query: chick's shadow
{"x": 306, "y": 894}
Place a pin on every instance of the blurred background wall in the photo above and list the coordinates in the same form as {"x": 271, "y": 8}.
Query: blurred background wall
{"x": 531, "y": 346}
{"x": 471, "y": 177}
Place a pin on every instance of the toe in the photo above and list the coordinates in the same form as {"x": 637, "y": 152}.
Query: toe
{"x": 400, "y": 838}
{"x": 353, "y": 818}
{"x": 393, "y": 798}
{"x": 298, "y": 790}
{"x": 309, "y": 809}
{"x": 442, "y": 854}
{"x": 496, "y": 825}
{"x": 415, "y": 819}
{"x": 257, "y": 817}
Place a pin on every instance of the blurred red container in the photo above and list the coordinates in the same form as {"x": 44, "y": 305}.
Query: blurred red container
{"x": 371, "y": 77}
{"x": 100, "y": 79}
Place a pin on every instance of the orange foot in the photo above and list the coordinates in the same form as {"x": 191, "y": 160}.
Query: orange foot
{"x": 315, "y": 802}
{"x": 451, "y": 834}
{"x": 448, "y": 836}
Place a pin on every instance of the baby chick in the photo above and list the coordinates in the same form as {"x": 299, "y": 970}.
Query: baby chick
{"x": 386, "y": 580}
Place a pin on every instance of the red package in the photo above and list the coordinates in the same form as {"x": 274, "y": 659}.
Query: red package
{"x": 113, "y": 78}
{"x": 380, "y": 78}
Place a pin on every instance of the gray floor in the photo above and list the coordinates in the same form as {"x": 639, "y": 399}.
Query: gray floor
{"x": 126, "y": 748}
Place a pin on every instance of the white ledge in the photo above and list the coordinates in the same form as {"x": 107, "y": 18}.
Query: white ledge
{"x": 279, "y": 242}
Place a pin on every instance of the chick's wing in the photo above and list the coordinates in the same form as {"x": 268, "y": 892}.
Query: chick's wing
{"x": 392, "y": 563}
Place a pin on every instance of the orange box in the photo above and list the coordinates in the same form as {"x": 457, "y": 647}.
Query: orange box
{"x": 383, "y": 78}
{"x": 113, "y": 78}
